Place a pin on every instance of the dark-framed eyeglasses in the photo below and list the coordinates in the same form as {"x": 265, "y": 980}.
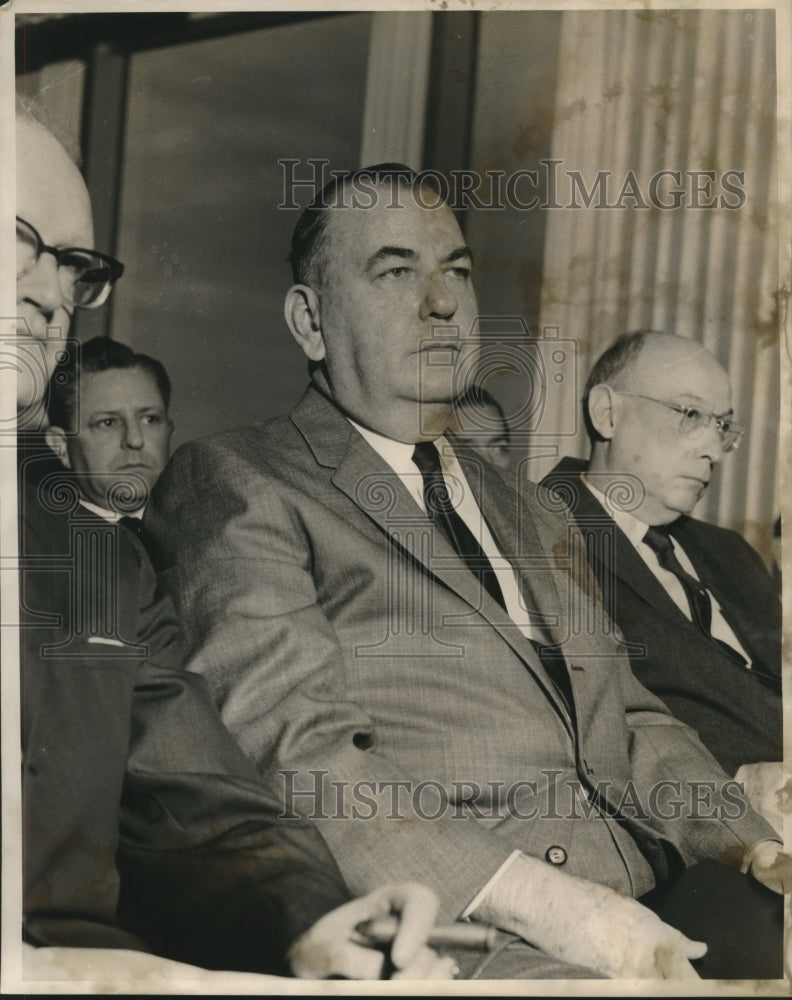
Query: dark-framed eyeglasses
{"x": 85, "y": 276}
{"x": 695, "y": 421}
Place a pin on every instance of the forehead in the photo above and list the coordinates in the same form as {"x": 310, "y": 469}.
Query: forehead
{"x": 51, "y": 194}
{"x": 679, "y": 368}
{"x": 119, "y": 388}
{"x": 397, "y": 218}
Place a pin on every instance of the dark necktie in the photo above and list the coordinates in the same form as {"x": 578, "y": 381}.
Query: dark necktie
{"x": 444, "y": 516}
{"x": 659, "y": 541}
{"x": 462, "y": 539}
{"x": 133, "y": 524}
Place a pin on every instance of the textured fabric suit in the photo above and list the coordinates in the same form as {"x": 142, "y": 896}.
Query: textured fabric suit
{"x": 144, "y": 826}
{"x": 344, "y": 641}
{"x": 736, "y": 711}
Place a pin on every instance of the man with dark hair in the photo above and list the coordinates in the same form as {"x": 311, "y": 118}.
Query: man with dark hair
{"x": 696, "y": 606}
{"x": 394, "y": 637}
{"x": 109, "y": 425}
{"x": 479, "y": 423}
{"x": 145, "y": 827}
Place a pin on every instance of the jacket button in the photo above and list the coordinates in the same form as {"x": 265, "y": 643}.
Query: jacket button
{"x": 363, "y": 741}
{"x": 556, "y": 855}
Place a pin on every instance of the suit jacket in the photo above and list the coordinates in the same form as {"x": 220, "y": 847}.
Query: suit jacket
{"x": 144, "y": 826}
{"x": 382, "y": 693}
{"x": 735, "y": 710}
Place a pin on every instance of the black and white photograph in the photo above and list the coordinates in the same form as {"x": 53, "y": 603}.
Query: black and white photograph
{"x": 394, "y": 455}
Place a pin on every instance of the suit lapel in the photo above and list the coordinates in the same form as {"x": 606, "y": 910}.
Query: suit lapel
{"x": 542, "y": 583}
{"x": 615, "y": 555}
{"x": 375, "y": 489}
{"x": 718, "y": 576}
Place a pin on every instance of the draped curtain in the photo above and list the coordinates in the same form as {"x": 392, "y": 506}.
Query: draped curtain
{"x": 640, "y": 92}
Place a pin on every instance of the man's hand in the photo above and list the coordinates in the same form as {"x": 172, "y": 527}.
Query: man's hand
{"x": 586, "y": 924}
{"x": 764, "y": 785}
{"x": 772, "y": 867}
{"x": 332, "y": 948}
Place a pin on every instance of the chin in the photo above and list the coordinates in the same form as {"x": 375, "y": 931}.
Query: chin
{"x": 683, "y": 508}
{"x": 435, "y": 391}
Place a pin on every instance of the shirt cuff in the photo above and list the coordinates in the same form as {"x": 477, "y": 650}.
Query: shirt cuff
{"x": 749, "y": 855}
{"x": 482, "y": 894}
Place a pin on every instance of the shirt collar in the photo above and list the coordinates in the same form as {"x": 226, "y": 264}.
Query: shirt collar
{"x": 110, "y": 515}
{"x": 632, "y": 527}
{"x": 397, "y": 454}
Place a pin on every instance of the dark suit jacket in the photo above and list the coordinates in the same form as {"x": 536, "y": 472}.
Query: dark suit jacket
{"x": 736, "y": 711}
{"x": 344, "y": 641}
{"x": 144, "y": 826}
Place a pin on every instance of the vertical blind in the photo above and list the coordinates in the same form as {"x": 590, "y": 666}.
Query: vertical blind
{"x": 691, "y": 92}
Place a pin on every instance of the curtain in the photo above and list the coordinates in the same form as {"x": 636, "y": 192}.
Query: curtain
{"x": 691, "y": 92}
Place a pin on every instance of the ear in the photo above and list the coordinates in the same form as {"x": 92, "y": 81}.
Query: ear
{"x": 602, "y": 410}
{"x": 302, "y": 313}
{"x": 56, "y": 441}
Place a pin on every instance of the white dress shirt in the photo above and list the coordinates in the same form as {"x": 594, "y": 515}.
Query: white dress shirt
{"x": 110, "y": 515}
{"x": 398, "y": 456}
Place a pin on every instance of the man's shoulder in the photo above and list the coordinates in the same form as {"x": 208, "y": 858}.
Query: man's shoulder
{"x": 523, "y": 500}
{"x": 273, "y": 445}
{"x": 51, "y": 512}
{"x": 567, "y": 488}
{"x": 268, "y": 446}
{"x": 711, "y": 538}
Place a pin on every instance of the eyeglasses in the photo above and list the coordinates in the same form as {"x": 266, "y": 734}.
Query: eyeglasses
{"x": 696, "y": 421}
{"x": 85, "y": 276}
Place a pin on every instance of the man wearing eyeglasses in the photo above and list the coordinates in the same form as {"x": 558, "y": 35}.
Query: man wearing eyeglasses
{"x": 696, "y": 606}
{"x": 145, "y": 827}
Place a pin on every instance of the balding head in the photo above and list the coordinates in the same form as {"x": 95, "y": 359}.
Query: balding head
{"x": 51, "y": 197}
{"x": 634, "y": 401}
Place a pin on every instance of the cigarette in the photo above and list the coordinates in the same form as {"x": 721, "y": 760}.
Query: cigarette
{"x": 459, "y": 935}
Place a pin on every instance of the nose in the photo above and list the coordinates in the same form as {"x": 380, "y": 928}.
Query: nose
{"x": 40, "y": 286}
{"x": 711, "y": 445}
{"x": 438, "y": 301}
{"x": 133, "y": 435}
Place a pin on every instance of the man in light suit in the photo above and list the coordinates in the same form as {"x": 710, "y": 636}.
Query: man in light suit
{"x": 145, "y": 829}
{"x": 409, "y": 669}
{"x": 658, "y": 410}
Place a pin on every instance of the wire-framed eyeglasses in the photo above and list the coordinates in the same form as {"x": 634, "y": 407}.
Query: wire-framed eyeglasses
{"x": 695, "y": 421}
{"x": 85, "y": 276}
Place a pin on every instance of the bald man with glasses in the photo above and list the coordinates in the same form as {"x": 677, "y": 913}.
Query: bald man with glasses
{"x": 699, "y": 614}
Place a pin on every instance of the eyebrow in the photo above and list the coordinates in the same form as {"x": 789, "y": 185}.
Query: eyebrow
{"x": 404, "y": 253}
{"x": 93, "y": 414}
{"x": 702, "y": 403}
{"x": 389, "y": 251}
{"x": 458, "y": 254}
